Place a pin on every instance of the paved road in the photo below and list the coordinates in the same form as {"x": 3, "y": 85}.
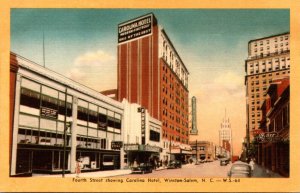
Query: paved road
{"x": 211, "y": 169}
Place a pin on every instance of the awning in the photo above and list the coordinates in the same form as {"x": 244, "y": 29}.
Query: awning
{"x": 138, "y": 147}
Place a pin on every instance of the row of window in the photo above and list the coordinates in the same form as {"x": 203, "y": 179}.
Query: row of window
{"x": 268, "y": 47}
{"x": 40, "y": 137}
{"x": 53, "y": 108}
{"x": 267, "y": 41}
{"x": 264, "y": 62}
{"x": 281, "y": 120}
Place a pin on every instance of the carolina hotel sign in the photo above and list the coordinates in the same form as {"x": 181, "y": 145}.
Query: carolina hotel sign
{"x": 136, "y": 28}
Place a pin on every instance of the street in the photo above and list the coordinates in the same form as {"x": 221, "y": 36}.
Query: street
{"x": 209, "y": 169}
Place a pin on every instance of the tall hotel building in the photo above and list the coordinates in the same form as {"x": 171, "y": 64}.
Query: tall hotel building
{"x": 152, "y": 74}
{"x": 268, "y": 60}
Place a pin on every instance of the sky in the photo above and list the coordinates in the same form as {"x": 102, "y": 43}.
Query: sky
{"x": 82, "y": 45}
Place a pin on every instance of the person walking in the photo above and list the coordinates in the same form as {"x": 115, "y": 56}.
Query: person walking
{"x": 78, "y": 168}
{"x": 251, "y": 163}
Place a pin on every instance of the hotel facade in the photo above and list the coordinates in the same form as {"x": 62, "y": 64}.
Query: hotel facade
{"x": 56, "y": 121}
{"x": 268, "y": 59}
{"x": 152, "y": 74}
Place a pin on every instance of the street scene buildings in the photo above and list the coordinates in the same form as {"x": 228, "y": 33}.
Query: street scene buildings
{"x": 150, "y": 121}
{"x": 268, "y": 71}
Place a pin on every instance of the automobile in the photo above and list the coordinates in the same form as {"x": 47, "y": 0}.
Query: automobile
{"x": 202, "y": 161}
{"x": 240, "y": 169}
{"x": 224, "y": 161}
{"x": 174, "y": 164}
{"x": 142, "y": 168}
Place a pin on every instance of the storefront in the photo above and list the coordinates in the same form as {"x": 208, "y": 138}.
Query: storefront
{"x": 141, "y": 154}
{"x": 33, "y": 158}
{"x": 95, "y": 160}
{"x": 181, "y": 154}
{"x": 48, "y": 106}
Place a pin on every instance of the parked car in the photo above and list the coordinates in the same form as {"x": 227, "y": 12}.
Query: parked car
{"x": 224, "y": 161}
{"x": 240, "y": 169}
{"x": 142, "y": 168}
{"x": 174, "y": 164}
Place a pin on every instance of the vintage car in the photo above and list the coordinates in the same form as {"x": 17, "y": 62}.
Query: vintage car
{"x": 240, "y": 169}
{"x": 174, "y": 164}
{"x": 142, "y": 168}
{"x": 224, "y": 161}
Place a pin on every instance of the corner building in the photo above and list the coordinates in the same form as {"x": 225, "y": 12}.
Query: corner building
{"x": 152, "y": 74}
{"x": 44, "y": 105}
{"x": 268, "y": 59}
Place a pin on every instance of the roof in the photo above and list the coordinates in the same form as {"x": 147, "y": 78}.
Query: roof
{"x": 269, "y": 37}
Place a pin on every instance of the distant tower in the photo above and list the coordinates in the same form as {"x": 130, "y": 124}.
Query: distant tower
{"x": 194, "y": 130}
{"x": 225, "y": 134}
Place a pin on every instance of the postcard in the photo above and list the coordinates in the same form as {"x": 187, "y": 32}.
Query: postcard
{"x": 137, "y": 96}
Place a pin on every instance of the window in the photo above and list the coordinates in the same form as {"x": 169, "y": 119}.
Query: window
{"x": 30, "y": 98}
{"x": 82, "y": 114}
{"x": 154, "y": 136}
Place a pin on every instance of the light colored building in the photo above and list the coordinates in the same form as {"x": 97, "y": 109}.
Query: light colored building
{"x": 137, "y": 121}
{"x": 203, "y": 150}
{"x": 268, "y": 59}
{"x": 54, "y": 116}
{"x": 152, "y": 74}
{"x": 225, "y": 134}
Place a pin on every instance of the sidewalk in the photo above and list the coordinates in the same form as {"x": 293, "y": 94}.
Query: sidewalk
{"x": 100, "y": 174}
{"x": 261, "y": 172}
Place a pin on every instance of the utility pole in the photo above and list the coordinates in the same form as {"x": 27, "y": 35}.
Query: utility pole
{"x": 196, "y": 152}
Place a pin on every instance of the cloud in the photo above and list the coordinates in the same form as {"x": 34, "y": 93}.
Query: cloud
{"x": 95, "y": 69}
{"x": 93, "y": 59}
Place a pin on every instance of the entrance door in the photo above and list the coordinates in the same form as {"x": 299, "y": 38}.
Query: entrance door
{"x": 24, "y": 162}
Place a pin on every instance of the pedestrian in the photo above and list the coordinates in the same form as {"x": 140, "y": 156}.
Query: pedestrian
{"x": 251, "y": 163}
{"x": 78, "y": 168}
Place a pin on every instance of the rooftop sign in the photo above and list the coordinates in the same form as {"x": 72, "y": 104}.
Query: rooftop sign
{"x": 136, "y": 28}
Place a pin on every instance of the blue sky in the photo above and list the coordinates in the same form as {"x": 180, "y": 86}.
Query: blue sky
{"x": 82, "y": 44}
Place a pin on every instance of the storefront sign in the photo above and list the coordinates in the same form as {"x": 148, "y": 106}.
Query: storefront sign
{"x": 143, "y": 124}
{"x": 131, "y": 147}
{"x": 267, "y": 137}
{"x": 151, "y": 148}
{"x": 116, "y": 145}
{"x": 137, "y": 147}
{"x": 49, "y": 113}
{"x": 134, "y": 29}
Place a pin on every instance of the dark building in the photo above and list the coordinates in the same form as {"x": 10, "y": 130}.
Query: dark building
{"x": 272, "y": 140}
